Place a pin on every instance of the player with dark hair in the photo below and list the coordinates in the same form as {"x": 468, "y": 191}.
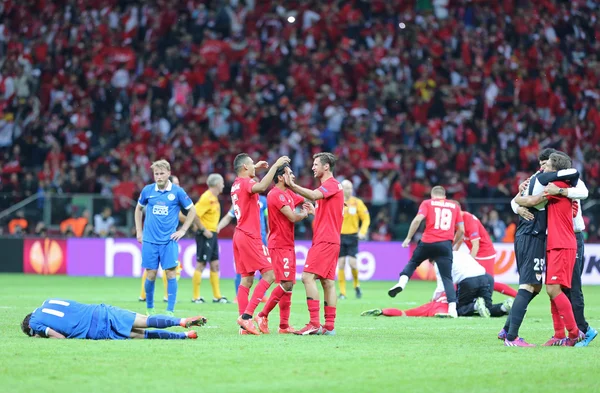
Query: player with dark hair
{"x": 530, "y": 246}
{"x": 443, "y": 228}
{"x": 249, "y": 253}
{"x": 61, "y": 318}
{"x": 162, "y": 201}
{"x": 561, "y": 249}
{"x": 282, "y": 204}
{"x": 482, "y": 249}
{"x": 321, "y": 261}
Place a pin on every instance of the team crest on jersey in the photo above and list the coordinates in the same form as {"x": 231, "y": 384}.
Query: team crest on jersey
{"x": 538, "y": 276}
{"x": 281, "y": 198}
{"x": 171, "y": 197}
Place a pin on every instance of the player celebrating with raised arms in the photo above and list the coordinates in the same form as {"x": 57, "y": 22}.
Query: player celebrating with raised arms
{"x": 321, "y": 261}
{"x": 249, "y": 253}
{"x": 282, "y": 217}
{"x": 442, "y": 217}
{"x": 163, "y": 201}
{"x": 61, "y": 318}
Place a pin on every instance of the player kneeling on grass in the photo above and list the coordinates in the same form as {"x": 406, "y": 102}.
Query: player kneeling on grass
{"x": 474, "y": 292}
{"x": 60, "y": 318}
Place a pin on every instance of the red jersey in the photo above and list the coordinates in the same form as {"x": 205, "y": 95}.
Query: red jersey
{"x": 329, "y": 213}
{"x": 281, "y": 229}
{"x": 245, "y": 206}
{"x": 441, "y": 219}
{"x": 560, "y": 221}
{"x": 475, "y": 230}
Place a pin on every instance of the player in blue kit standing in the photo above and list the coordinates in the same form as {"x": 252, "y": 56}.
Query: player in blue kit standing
{"x": 163, "y": 201}
{"x": 61, "y": 318}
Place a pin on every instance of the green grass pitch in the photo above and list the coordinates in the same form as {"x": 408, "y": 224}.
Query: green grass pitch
{"x": 367, "y": 355}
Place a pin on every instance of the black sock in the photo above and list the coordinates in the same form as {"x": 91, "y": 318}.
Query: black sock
{"x": 507, "y": 323}
{"x": 246, "y": 316}
{"x": 517, "y": 312}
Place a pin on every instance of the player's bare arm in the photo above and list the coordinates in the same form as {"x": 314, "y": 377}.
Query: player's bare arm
{"x": 459, "y": 234}
{"x": 313, "y": 195}
{"x": 189, "y": 219}
{"x": 475, "y": 247}
{"x": 293, "y": 216}
{"x": 224, "y": 222}
{"x": 138, "y": 222}
{"x": 198, "y": 224}
{"x": 309, "y": 208}
{"x": 262, "y": 185}
{"x": 50, "y": 333}
{"x": 529, "y": 200}
{"x": 414, "y": 225}
{"x": 578, "y": 192}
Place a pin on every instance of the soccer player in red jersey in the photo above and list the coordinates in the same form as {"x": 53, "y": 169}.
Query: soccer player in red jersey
{"x": 321, "y": 261}
{"x": 282, "y": 216}
{"x": 249, "y": 253}
{"x": 561, "y": 247}
{"x": 482, "y": 249}
{"x": 443, "y": 227}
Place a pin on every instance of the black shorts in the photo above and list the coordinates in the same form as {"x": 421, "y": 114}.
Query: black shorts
{"x": 207, "y": 250}
{"x": 530, "y": 252}
{"x": 349, "y": 246}
{"x": 433, "y": 251}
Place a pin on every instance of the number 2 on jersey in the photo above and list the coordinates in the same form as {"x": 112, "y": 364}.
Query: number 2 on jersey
{"x": 443, "y": 218}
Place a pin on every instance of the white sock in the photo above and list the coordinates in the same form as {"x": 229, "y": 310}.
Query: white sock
{"x": 503, "y": 308}
{"x": 452, "y": 309}
{"x": 403, "y": 281}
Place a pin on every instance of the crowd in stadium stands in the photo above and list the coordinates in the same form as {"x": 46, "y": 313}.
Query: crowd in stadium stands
{"x": 408, "y": 94}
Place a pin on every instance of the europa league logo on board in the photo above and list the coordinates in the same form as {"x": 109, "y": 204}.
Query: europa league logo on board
{"x": 45, "y": 256}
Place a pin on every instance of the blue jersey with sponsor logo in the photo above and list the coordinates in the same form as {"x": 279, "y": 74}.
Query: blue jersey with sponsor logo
{"x": 67, "y": 317}
{"x": 162, "y": 211}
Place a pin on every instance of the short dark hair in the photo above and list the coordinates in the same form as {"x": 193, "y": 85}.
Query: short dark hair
{"x": 560, "y": 161}
{"x": 25, "y": 325}
{"x": 326, "y": 158}
{"x": 545, "y": 154}
{"x": 239, "y": 161}
{"x": 279, "y": 172}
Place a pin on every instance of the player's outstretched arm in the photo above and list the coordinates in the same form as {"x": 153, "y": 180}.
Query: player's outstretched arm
{"x": 262, "y": 185}
{"x": 529, "y": 200}
{"x": 414, "y": 225}
{"x": 313, "y": 195}
{"x": 138, "y": 222}
{"x": 459, "y": 234}
{"x": 50, "y": 333}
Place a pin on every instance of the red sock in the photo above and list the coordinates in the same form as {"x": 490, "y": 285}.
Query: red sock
{"x": 285, "y": 305}
{"x": 566, "y": 312}
{"x": 313, "y": 309}
{"x": 504, "y": 289}
{"x": 272, "y": 302}
{"x": 242, "y": 298}
{"x": 257, "y": 296}
{"x": 329, "y": 317}
{"x": 392, "y": 312}
{"x": 559, "y": 325}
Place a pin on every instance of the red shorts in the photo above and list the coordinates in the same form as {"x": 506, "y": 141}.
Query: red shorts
{"x": 559, "y": 266}
{"x": 250, "y": 255}
{"x": 488, "y": 264}
{"x": 428, "y": 310}
{"x": 322, "y": 260}
{"x": 283, "y": 261}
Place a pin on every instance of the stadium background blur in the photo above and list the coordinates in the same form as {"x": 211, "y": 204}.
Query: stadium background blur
{"x": 408, "y": 94}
